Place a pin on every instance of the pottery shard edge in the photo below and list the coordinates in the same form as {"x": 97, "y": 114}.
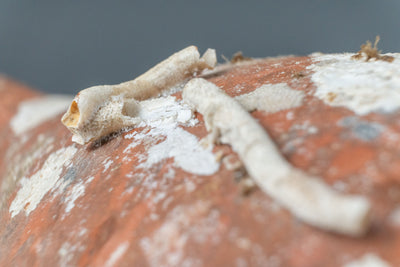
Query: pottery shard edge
{"x": 308, "y": 198}
{"x": 100, "y": 110}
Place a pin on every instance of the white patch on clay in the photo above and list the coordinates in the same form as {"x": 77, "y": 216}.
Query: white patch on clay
{"x": 368, "y": 260}
{"x": 290, "y": 115}
{"x": 165, "y": 111}
{"x": 394, "y": 217}
{"x": 170, "y": 174}
{"x": 271, "y": 98}
{"x": 19, "y": 163}
{"x": 107, "y": 163}
{"x": 190, "y": 186}
{"x": 186, "y": 151}
{"x": 82, "y": 232}
{"x": 67, "y": 253}
{"x": 166, "y": 247}
{"x": 361, "y": 86}
{"x": 77, "y": 191}
{"x": 117, "y": 254}
{"x": 239, "y": 240}
{"x": 33, "y": 189}
{"x": 163, "y": 116}
{"x": 33, "y": 112}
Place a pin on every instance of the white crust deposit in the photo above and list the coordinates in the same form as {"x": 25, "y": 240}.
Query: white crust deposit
{"x": 308, "y": 198}
{"x": 101, "y": 110}
{"x": 33, "y": 189}
{"x": 163, "y": 116}
{"x": 33, "y": 112}
{"x": 363, "y": 87}
{"x": 271, "y": 98}
{"x": 117, "y": 254}
{"x": 368, "y": 260}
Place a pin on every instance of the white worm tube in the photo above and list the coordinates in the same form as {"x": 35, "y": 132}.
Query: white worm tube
{"x": 101, "y": 110}
{"x": 308, "y": 198}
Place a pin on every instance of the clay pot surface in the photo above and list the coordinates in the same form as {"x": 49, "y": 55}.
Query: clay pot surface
{"x": 95, "y": 205}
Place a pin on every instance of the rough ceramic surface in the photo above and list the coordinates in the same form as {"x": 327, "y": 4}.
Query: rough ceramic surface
{"x": 119, "y": 202}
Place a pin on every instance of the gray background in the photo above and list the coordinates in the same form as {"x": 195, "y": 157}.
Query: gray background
{"x": 65, "y": 47}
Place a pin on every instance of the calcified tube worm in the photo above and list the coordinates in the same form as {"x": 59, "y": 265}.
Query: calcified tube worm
{"x": 100, "y": 110}
{"x": 308, "y": 198}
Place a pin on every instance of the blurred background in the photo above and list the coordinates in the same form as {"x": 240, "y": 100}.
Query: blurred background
{"x": 66, "y": 46}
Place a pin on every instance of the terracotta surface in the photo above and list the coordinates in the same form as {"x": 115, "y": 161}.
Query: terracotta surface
{"x": 106, "y": 211}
